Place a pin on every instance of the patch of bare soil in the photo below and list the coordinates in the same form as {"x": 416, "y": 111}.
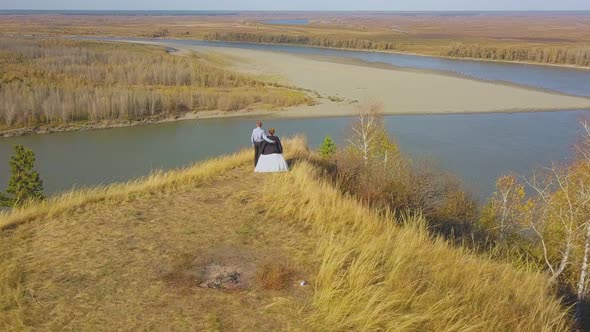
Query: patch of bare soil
{"x": 221, "y": 268}
{"x": 230, "y": 277}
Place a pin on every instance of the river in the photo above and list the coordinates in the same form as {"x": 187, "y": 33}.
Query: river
{"x": 477, "y": 147}
{"x": 562, "y": 79}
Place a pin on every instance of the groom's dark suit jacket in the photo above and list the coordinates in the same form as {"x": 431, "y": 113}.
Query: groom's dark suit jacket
{"x": 268, "y": 148}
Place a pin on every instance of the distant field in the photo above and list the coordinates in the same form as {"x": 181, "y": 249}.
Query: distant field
{"x": 544, "y": 37}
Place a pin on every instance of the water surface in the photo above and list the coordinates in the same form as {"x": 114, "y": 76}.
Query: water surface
{"x": 477, "y": 147}
{"x": 561, "y": 79}
{"x": 297, "y": 21}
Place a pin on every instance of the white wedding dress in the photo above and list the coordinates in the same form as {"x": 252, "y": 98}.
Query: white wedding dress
{"x": 271, "y": 163}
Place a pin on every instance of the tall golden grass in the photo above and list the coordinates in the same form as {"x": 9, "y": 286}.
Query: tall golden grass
{"x": 380, "y": 273}
{"x": 372, "y": 271}
{"x": 195, "y": 174}
{"x": 30, "y": 251}
{"x": 13, "y": 293}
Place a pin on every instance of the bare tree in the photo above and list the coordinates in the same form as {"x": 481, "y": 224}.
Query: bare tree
{"x": 564, "y": 201}
{"x": 565, "y": 211}
{"x": 366, "y": 129}
{"x": 581, "y": 289}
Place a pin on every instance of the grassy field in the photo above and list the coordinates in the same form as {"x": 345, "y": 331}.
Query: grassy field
{"x": 135, "y": 256}
{"x": 557, "y": 38}
{"x": 55, "y": 81}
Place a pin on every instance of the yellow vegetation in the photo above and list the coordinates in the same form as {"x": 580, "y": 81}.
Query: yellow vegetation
{"x": 64, "y": 81}
{"x": 551, "y": 37}
{"x": 380, "y": 273}
{"x": 121, "y": 258}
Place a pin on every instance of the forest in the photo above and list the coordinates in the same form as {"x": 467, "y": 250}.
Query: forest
{"x": 309, "y": 40}
{"x": 51, "y": 82}
{"x": 578, "y": 56}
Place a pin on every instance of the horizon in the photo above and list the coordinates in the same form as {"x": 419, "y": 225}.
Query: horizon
{"x": 300, "y": 11}
{"x": 299, "y": 6}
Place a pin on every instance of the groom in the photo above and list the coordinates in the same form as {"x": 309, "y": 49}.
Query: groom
{"x": 258, "y": 136}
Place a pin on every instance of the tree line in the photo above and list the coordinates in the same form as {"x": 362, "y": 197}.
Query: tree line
{"x": 334, "y": 42}
{"x": 578, "y": 56}
{"x": 24, "y": 105}
{"x": 61, "y": 81}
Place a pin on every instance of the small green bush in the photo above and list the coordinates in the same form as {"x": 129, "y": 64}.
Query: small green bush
{"x": 328, "y": 148}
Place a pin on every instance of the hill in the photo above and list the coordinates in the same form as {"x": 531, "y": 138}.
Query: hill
{"x": 217, "y": 247}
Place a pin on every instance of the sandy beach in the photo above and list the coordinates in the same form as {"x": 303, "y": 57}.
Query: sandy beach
{"x": 342, "y": 86}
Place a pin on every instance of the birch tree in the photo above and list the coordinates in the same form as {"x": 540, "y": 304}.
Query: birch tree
{"x": 552, "y": 222}
{"x": 582, "y": 286}
{"x": 366, "y": 127}
{"x": 556, "y": 222}
{"x": 565, "y": 198}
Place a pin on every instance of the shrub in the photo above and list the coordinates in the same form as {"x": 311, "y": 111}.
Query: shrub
{"x": 328, "y": 148}
{"x": 373, "y": 169}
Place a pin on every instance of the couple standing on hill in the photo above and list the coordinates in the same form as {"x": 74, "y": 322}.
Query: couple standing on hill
{"x": 268, "y": 151}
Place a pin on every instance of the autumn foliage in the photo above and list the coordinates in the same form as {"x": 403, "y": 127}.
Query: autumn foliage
{"x": 577, "y": 56}
{"x": 544, "y": 219}
{"x": 65, "y": 81}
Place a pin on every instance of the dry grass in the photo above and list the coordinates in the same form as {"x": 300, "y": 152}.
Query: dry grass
{"x": 55, "y": 206}
{"x": 273, "y": 276}
{"x": 127, "y": 257}
{"x": 128, "y": 261}
{"x": 377, "y": 275}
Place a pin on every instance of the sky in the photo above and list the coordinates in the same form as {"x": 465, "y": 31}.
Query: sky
{"x": 405, "y": 5}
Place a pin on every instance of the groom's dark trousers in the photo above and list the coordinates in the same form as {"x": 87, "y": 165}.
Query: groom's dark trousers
{"x": 257, "y": 146}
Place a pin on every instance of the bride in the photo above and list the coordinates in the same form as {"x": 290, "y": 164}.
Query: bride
{"x": 271, "y": 156}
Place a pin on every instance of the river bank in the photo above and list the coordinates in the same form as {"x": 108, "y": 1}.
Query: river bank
{"x": 400, "y": 91}
{"x": 341, "y": 84}
{"x": 550, "y": 65}
{"x": 73, "y": 127}
{"x": 415, "y": 54}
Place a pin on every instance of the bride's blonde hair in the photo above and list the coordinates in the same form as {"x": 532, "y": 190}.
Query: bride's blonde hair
{"x": 271, "y": 131}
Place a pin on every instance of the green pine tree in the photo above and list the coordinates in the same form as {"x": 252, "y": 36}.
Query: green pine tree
{"x": 24, "y": 184}
{"x": 328, "y": 147}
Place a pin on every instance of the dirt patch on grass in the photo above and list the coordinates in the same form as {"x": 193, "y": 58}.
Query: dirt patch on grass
{"x": 274, "y": 276}
{"x": 232, "y": 268}
{"x": 230, "y": 277}
{"x": 220, "y": 268}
